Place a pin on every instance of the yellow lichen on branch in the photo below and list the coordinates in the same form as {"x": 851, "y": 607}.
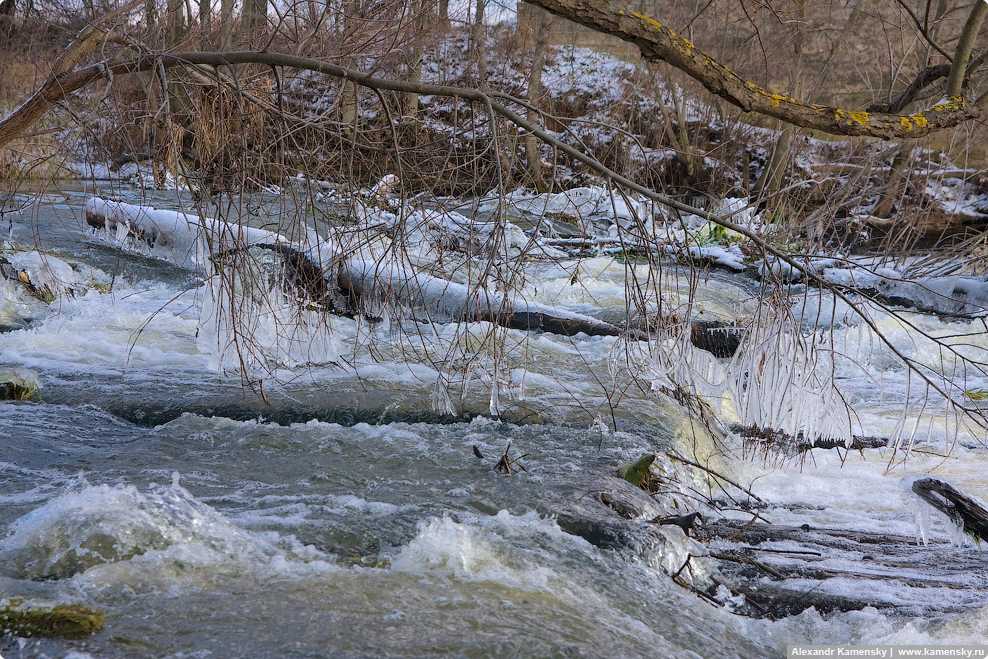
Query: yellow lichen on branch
{"x": 659, "y": 43}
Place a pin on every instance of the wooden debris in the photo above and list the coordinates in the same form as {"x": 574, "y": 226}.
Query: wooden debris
{"x": 685, "y": 522}
{"x": 888, "y": 571}
{"x": 504, "y": 465}
{"x": 720, "y": 339}
{"x": 757, "y": 533}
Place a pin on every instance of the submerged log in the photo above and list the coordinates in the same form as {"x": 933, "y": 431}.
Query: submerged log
{"x": 773, "y": 602}
{"x": 783, "y": 570}
{"x": 759, "y": 532}
{"x": 960, "y": 508}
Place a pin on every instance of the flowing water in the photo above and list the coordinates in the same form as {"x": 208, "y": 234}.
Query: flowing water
{"x": 333, "y": 513}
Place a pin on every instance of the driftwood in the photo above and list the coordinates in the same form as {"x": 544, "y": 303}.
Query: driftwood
{"x": 960, "y": 508}
{"x": 685, "y": 522}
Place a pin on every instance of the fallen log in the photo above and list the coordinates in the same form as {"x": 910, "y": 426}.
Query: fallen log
{"x": 964, "y": 511}
{"x": 203, "y": 244}
{"x": 759, "y": 532}
{"x": 720, "y": 339}
{"x": 773, "y": 602}
{"x": 786, "y": 442}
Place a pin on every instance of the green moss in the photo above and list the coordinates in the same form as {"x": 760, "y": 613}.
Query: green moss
{"x": 635, "y": 473}
{"x": 68, "y": 621}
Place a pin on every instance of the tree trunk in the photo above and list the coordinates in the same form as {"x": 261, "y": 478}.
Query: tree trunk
{"x": 205, "y": 23}
{"x": 533, "y": 161}
{"x": 478, "y": 44}
{"x": 443, "y": 10}
{"x": 675, "y": 122}
{"x": 254, "y": 21}
{"x": 895, "y": 182}
{"x": 226, "y": 23}
{"x": 419, "y": 25}
{"x": 174, "y": 22}
{"x": 771, "y": 179}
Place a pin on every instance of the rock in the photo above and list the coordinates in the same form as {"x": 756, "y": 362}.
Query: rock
{"x": 68, "y": 621}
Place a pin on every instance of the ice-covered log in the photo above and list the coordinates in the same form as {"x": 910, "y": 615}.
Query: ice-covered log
{"x": 185, "y": 240}
{"x": 201, "y": 243}
{"x": 434, "y": 299}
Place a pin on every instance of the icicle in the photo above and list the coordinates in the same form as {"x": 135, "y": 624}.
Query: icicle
{"x": 924, "y": 522}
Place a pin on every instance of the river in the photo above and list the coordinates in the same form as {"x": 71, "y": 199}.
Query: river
{"x": 331, "y": 512}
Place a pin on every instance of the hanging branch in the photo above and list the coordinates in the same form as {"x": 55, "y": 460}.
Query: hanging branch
{"x": 661, "y": 44}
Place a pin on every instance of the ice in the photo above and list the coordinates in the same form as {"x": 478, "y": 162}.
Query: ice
{"x": 45, "y": 270}
{"x": 185, "y": 240}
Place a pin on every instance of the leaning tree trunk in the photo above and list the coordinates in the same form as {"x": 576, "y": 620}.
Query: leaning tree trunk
{"x": 660, "y": 43}
{"x": 771, "y": 179}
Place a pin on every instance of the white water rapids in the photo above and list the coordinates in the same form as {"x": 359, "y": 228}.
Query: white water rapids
{"x": 330, "y": 508}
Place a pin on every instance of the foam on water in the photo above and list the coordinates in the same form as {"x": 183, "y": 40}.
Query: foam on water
{"x": 447, "y": 547}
